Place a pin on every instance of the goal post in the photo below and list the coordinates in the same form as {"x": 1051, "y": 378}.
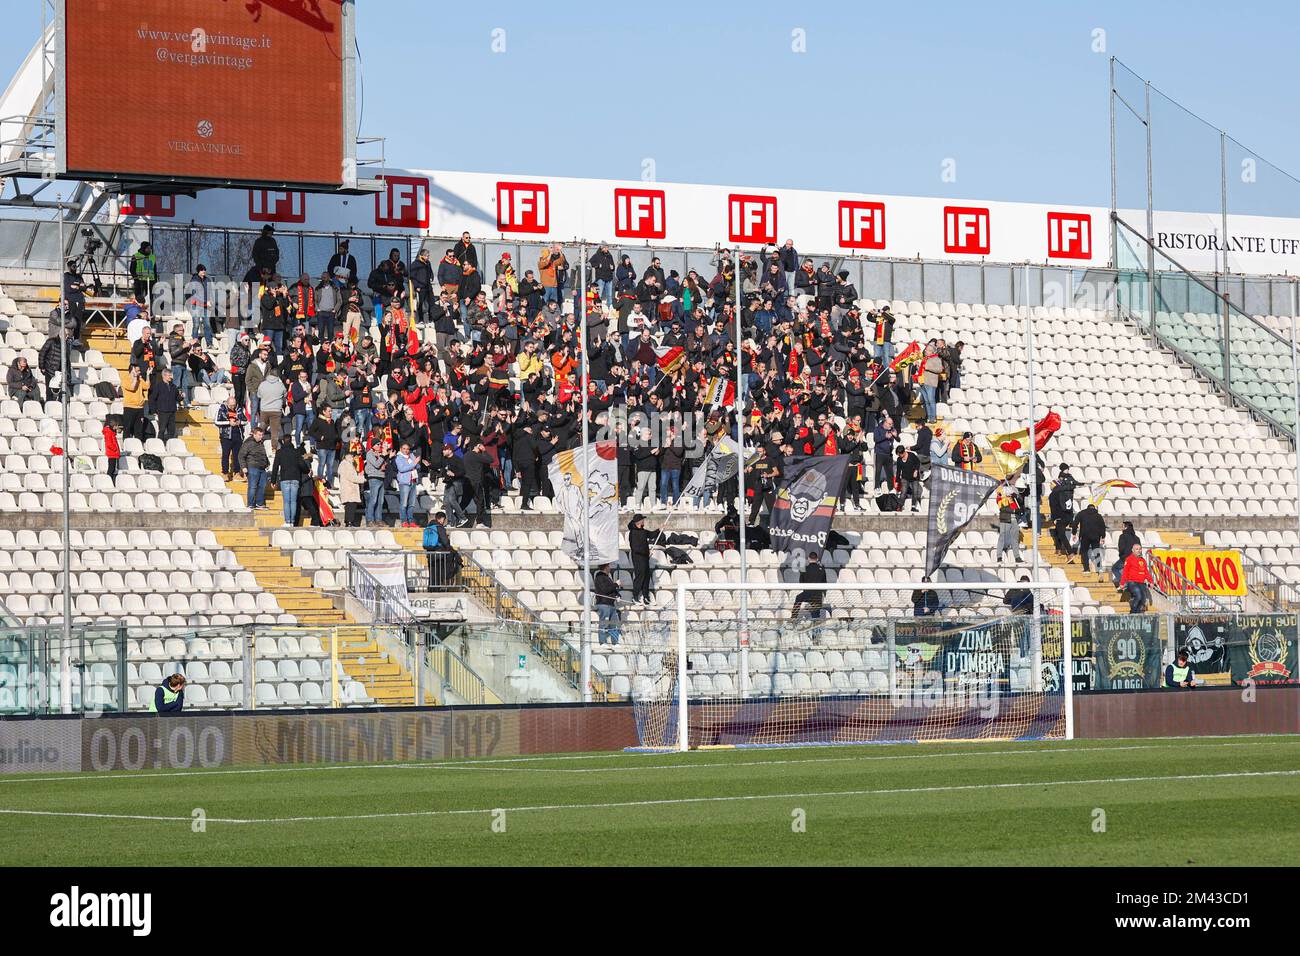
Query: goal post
{"x": 852, "y": 662}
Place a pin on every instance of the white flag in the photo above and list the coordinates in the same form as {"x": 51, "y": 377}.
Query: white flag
{"x": 597, "y": 479}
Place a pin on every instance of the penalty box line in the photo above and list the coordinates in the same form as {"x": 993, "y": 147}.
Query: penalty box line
{"x": 674, "y": 801}
{"x": 487, "y": 763}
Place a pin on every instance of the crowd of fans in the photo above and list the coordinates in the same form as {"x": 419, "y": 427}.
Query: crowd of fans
{"x": 438, "y": 370}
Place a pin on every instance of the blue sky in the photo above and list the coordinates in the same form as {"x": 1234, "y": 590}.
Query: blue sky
{"x": 1013, "y": 93}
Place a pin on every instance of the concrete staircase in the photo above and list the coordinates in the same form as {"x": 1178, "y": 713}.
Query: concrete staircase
{"x": 1099, "y": 586}
{"x": 387, "y": 681}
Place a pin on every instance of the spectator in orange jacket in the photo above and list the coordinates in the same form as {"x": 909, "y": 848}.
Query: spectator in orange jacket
{"x": 1135, "y": 581}
{"x": 549, "y": 266}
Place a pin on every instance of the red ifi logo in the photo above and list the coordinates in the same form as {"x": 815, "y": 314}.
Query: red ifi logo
{"x": 1069, "y": 235}
{"x": 862, "y": 224}
{"x": 966, "y": 229}
{"x": 523, "y": 207}
{"x": 148, "y": 204}
{"x": 639, "y": 214}
{"x": 270, "y": 205}
{"x": 751, "y": 218}
{"x": 403, "y": 202}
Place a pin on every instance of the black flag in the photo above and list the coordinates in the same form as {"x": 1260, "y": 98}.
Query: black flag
{"x": 806, "y": 503}
{"x": 955, "y": 498}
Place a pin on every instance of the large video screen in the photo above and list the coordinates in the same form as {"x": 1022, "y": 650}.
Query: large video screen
{"x": 242, "y": 91}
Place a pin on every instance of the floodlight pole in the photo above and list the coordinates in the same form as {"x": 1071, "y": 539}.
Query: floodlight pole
{"x": 585, "y": 673}
{"x": 740, "y": 486}
{"x": 65, "y": 655}
{"x": 1036, "y": 648}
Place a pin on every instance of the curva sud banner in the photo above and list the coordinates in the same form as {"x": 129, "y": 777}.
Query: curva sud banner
{"x": 1262, "y": 648}
{"x": 955, "y": 499}
{"x": 806, "y": 504}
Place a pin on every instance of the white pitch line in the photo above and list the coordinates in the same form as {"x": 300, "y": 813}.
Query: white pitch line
{"x": 675, "y": 801}
{"x": 487, "y": 763}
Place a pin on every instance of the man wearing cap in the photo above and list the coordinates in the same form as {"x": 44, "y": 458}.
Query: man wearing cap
{"x": 253, "y": 463}
{"x": 967, "y": 454}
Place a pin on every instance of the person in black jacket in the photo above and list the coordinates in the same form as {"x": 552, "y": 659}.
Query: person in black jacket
{"x": 638, "y": 542}
{"x": 602, "y": 270}
{"x": 907, "y": 474}
{"x": 166, "y": 398}
{"x": 324, "y": 435}
{"x": 1090, "y": 526}
{"x": 266, "y": 251}
{"x": 287, "y": 473}
{"x": 606, "y": 590}
{"x": 481, "y": 476}
{"x": 421, "y": 275}
{"x": 813, "y": 573}
{"x": 464, "y": 250}
{"x": 1128, "y": 540}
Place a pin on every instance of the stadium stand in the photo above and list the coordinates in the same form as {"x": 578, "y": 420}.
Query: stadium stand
{"x": 1129, "y": 409}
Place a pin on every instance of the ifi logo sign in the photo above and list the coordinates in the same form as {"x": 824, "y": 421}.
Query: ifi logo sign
{"x": 966, "y": 229}
{"x": 1069, "y": 235}
{"x": 403, "y": 202}
{"x": 102, "y": 910}
{"x": 751, "y": 218}
{"x": 148, "y": 204}
{"x": 523, "y": 207}
{"x": 639, "y": 214}
{"x": 862, "y": 224}
{"x": 271, "y": 205}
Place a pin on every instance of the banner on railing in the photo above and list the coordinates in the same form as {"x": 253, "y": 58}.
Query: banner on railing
{"x": 382, "y": 584}
{"x": 1217, "y": 573}
{"x": 1127, "y": 649}
{"x": 1262, "y": 648}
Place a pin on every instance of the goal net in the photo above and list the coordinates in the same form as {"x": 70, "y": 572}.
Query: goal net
{"x": 787, "y": 665}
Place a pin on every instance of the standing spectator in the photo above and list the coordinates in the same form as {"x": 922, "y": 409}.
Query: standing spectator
{"x": 406, "y": 466}
{"x": 135, "y": 391}
{"x": 1008, "y": 524}
{"x": 444, "y": 562}
{"x": 351, "y": 482}
{"x": 144, "y": 272}
{"x": 464, "y": 250}
{"x": 266, "y": 251}
{"x": 422, "y": 275}
{"x": 166, "y": 399}
{"x": 112, "y": 450}
{"x": 51, "y": 360}
{"x": 74, "y": 299}
{"x": 606, "y": 589}
{"x": 270, "y": 406}
{"x": 324, "y": 435}
{"x": 343, "y": 265}
{"x": 967, "y": 454}
{"x": 671, "y": 456}
{"x": 883, "y": 447}
{"x": 789, "y": 261}
{"x": 199, "y": 301}
{"x": 1090, "y": 526}
{"x": 329, "y": 303}
{"x": 377, "y": 465}
{"x": 550, "y": 266}
{"x": 287, "y": 474}
{"x": 1135, "y": 581}
{"x": 231, "y": 422}
{"x": 908, "y": 478}
{"x": 639, "y": 539}
{"x": 481, "y": 475}
{"x": 1128, "y": 540}
{"x": 931, "y": 376}
{"x": 602, "y": 271}
{"x": 253, "y": 463}
{"x": 299, "y": 400}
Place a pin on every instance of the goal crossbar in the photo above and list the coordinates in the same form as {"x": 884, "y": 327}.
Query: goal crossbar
{"x": 684, "y": 588}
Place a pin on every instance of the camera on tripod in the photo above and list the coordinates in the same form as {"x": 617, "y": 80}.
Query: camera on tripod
{"x": 91, "y": 242}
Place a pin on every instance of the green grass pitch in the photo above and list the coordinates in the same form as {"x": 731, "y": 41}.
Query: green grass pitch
{"x": 1233, "y": 801}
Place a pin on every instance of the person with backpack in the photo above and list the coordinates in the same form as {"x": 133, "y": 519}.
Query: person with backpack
{"x": 444, "y": 562}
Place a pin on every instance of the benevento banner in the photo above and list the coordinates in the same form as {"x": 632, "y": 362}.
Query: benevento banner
{"x": 805, "y": 505}
{"x": 1217, "y": 573}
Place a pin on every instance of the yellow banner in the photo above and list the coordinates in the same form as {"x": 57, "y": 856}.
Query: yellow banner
{"x": 1215, "y": 572}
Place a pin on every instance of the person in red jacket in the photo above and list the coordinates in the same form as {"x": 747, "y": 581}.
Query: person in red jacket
{"x": 1135, "y": 581}
{"x": 112, "y": 450}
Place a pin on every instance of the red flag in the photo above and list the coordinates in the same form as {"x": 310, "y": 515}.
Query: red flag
{"x": 670, "y": 359}
{"x": 906, "y": 357}
{"x": 1045, "y": 429}
{"x": 323, "y": 503}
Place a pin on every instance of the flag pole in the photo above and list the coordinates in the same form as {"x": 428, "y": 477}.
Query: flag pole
{"x": 585, "y": 675}
{"x": 740, "y": 485}
{"x": 65, "y": 655}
